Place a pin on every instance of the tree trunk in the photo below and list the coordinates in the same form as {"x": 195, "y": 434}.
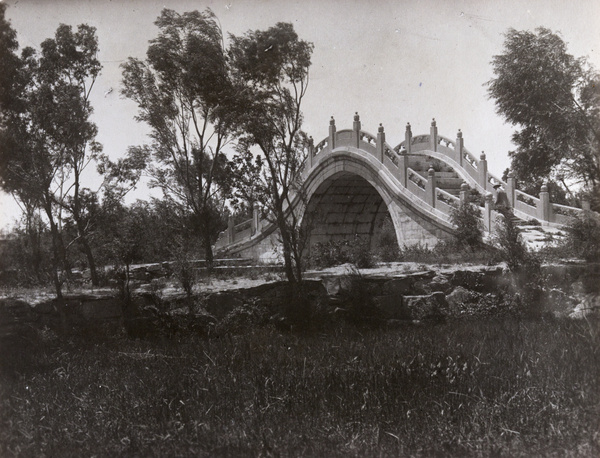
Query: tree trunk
{"x": 287, "y": 250}
{"x": 58, "y": 258}
{"x": 87, "y": 250}
{"x": 208, "y": 252}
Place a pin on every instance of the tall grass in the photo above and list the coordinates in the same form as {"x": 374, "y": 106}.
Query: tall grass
{"x": 502, "y": 388}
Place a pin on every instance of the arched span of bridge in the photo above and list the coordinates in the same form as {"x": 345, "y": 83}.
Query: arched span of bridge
{"x": 349, "y": 196}
{"x": 352, "y": 180}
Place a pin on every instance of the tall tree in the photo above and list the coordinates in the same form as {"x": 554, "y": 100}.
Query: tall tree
{"x": 271, "y": 69}
{"x": 9, "y": 70}
{"x": 182, "y": 90}
{"x": 69, "y": 67}
{"x": 48, "y": 137}
{"x": 554, "y": 99}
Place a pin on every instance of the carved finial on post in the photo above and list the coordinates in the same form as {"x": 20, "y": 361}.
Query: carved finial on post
{"x": 331, "y": 141}
{"x": 430, "y": 186}
{"x": 544, "y": 206}
{"x": 511, "y": 187}
{"x": 487, "y": 216}
{"x": 255, "y": 217}
{"x": 433, "y": 137}
{"x": 356, "y": 130}
{"x": 482, "y": 167}
{"x": 458, "y": 150}
{"x": 407, "y": 138}
{"x": 586, "y": 206}
{"x": 380, "y": 142}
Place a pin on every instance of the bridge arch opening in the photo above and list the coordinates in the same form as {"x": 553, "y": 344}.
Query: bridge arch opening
{"x": 345, "y": 206}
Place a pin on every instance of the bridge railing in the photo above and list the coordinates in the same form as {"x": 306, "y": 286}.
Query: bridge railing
{"x": 396, "y": 160}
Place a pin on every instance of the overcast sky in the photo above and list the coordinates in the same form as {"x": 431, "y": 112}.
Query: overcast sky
{"x": 392, "y": 61}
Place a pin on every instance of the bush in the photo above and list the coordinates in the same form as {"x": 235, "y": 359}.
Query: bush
{"x": 583, "y": 237}
{"x": 336, "y": 252}
{"x": 330, "y": 253}
{"x": 510, "y": 243}
{"x": 469, "y": 227}
{"x": 387, "y": 243}
{"x": 525, "y": 265}
{"x": 360, "y": 253}
{"x": 358, "y": 302}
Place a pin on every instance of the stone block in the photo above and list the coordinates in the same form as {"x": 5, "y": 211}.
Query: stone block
{"x": 431, "y": 307}
{"x": 101, "y": 309}
{"x": 220, "y": 304}
{"x": 392, "y": 307}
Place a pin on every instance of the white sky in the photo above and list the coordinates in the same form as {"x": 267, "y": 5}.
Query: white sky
{"x": 392, "y": 61}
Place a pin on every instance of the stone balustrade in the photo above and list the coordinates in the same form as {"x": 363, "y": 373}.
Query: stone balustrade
{"x": 432, "y": 145}
{"x": 396, "y": 159}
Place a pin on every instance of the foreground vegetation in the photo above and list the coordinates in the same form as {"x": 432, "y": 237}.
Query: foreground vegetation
{"x": 499, "y": 387}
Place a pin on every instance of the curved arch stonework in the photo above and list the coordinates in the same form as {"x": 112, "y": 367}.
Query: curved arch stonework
{"x": 352, "y": 180}
{"x": 365, "y": 206}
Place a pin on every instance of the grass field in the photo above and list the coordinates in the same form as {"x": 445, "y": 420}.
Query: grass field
{"x": 463, "y": 388}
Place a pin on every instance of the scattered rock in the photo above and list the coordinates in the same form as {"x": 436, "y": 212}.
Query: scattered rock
{"x": 430, "y": 307}
{"x": 221, "y": 304}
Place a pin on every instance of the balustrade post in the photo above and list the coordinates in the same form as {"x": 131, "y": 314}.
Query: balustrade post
{"x": 459, "y": 148}
{"x": 433, "y": 136}
{"x": 331, "y": 134}
{"x": 380, "y": 142}
{"x": 356, "y": 130}
{"x": 511, "y": 187}
{"x": 487, "y": 212}
{"x": 482, "y": 168}
{"x": 464, "y": 193}
{"x": 544, "y": 206}
{"x": 407, "y": 138}
{"x": 255, "y": 218}
{"x": 230, "y": 230}
{"x": 586, "y": 205}
{"x": 403, "y": 167}
{"x": 311, "y": 152}
{"x": 430, "y": 187}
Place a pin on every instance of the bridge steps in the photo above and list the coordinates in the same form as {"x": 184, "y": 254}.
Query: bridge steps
{"x": 446, "y": 178}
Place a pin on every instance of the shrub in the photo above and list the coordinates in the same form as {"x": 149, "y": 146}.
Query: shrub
{"x": 185, "y": 273}
{"x": 525, "y": 265}
{"x": 510, "y": 243}
{"x": 336, "y": 252}
{"x": 387, "y": 243}
{"x": 330, "y": 253}
{"x": 583, "y": 237}
{"x": 360, "y": 253}
{"x": 357, "y": 300}
{"x": 469, "y": 227}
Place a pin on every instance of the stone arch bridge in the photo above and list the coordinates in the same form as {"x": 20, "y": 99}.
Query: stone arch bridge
{"x": 354, "y": 181}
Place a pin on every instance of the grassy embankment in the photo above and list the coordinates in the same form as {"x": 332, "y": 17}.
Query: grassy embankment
{"x": 478, "y": 388}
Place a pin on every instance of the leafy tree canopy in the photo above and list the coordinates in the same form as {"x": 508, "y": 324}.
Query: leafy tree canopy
{"x": 554, "y": 99}
{"x": 183, "y": 91}
{"x": 270, "y": 69}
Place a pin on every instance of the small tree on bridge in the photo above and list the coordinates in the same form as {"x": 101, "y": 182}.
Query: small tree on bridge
{"x": 271, "y": 75}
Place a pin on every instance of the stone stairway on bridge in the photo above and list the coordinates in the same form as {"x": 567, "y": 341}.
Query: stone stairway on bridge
{"x": 446, "y": 178}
